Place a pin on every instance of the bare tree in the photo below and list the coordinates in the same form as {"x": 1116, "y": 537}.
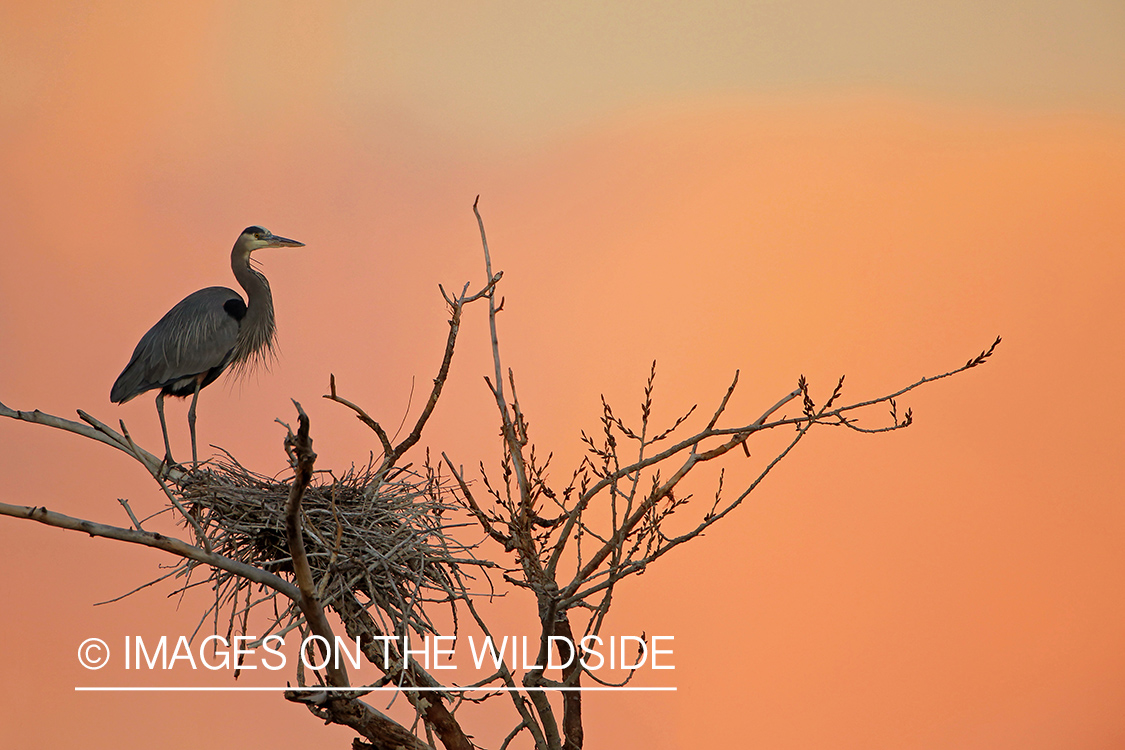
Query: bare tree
{"x": 387, "y": 547}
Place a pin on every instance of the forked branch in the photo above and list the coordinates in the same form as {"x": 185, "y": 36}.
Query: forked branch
{"x": 392, "y": 453}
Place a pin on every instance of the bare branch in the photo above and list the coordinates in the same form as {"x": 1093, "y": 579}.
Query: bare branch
{"x": 723, "y": 404}
{"x": 391, "y": 454}
{"x": 443, "y": 372}
{"x": 95, "y": 431}
{"x": 301, "y": 447}
{"x": 152, "y": 539}
{"x": 385, "y": 732}
{"x": 475, "y": 509}
{"x": 498, "y": 390}
{"x": 361, "y": 627}
{"x": 360, "y": 414}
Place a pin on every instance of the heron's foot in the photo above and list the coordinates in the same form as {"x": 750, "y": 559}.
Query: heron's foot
{"x": 166, "y": 465}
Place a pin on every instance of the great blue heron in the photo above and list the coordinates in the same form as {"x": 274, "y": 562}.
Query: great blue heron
{"x": 208, "y": 331}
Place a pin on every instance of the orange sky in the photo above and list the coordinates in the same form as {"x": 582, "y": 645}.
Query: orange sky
{"x": 870, "y": 211}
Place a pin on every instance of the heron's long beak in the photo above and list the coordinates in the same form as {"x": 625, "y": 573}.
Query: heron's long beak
{"x": 275, "y": 241}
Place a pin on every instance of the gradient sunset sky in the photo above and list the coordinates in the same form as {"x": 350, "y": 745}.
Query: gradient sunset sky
{"x": 874, "y": 189}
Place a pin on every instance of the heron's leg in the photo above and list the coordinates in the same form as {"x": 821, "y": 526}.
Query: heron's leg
{"x": 191, "y": 423}
{"x": 164, "y": 428}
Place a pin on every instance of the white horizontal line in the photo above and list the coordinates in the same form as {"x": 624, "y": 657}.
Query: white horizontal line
{"x": 361, "y": 689}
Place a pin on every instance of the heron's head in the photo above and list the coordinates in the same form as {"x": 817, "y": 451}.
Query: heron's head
{"x": 255, "y": 238}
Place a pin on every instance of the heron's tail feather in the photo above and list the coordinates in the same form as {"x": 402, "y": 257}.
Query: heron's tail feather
{"x": 129, "y": 384}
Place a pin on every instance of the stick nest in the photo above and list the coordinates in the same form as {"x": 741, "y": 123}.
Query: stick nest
{"x": 387, "y": 540}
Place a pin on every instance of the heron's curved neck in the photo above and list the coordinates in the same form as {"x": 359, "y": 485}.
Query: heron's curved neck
{"x": 256, "y": 331}
{"x": 258, "y": 297}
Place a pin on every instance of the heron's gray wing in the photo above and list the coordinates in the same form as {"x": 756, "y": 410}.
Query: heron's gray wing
{"x": 194, "y": 337}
